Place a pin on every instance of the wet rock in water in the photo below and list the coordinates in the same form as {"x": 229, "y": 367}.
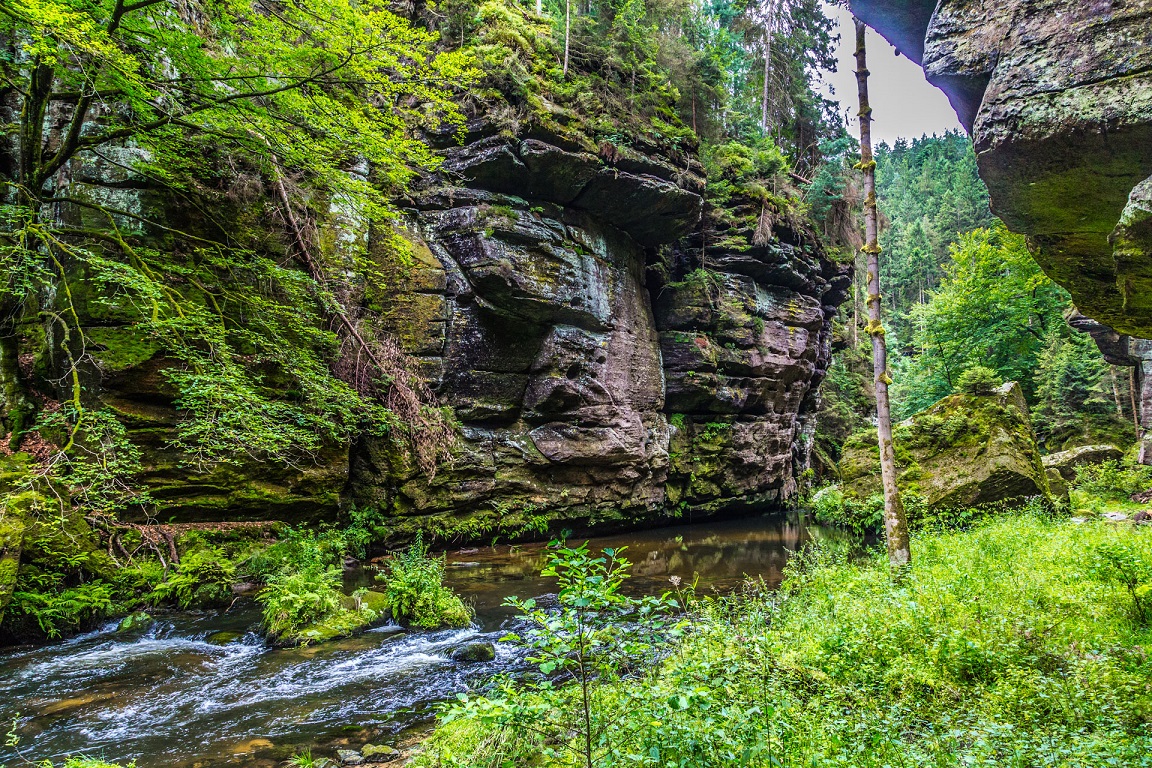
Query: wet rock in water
{"x": 349, "y": 757}
{"x": 964, "y": 451}
{"x": 224, "y": 637}
{"x": 135, "y": 622}
{"x": 357, "y": 615}
{"x": 379, "y": 753}
{"x": 1065, "y": 462}
{"x": 475, "y": 652}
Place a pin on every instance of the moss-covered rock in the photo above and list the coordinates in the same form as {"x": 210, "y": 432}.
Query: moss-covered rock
{"x": 358, "y": 613}
{"x": 964, "y": 451}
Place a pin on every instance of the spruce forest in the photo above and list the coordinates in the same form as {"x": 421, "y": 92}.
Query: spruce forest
{"x": 575, "y": 383}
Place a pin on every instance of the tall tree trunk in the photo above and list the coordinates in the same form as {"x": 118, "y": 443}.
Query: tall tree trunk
{"x": 767, "y": 68}
{"x": 567, "y": 32}
{"x": 895, "y": 523}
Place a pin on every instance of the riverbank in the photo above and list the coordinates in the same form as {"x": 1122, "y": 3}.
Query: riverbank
{"x": 1021, "y": 642}
{"x": 202, "y": 688}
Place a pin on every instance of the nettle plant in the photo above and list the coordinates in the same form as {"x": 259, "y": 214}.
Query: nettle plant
{"x": 594, "y": 635}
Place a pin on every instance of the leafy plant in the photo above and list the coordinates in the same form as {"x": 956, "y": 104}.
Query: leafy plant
{"x": 1124, "y": 563}
{"x": 415, "y": 593}
{"x": 1112, "y": 480}
{"x": 294, "y": 599}
{"x": 203, "y": 577}
{"x": 61, "y": 610}
{"x": 595, "y": 634}
{"x": 978, "y": 380}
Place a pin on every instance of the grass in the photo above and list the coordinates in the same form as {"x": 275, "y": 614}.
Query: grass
{"x": 1007, "y": 645}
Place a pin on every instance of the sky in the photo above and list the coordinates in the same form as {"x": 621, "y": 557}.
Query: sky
{"x": 903, "y": 103}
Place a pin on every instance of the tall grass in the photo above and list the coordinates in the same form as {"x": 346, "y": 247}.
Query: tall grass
{"x": 1006, "y": 645}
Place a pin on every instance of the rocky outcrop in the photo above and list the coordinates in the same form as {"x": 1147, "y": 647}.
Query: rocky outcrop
{"x": 1066, "y": 462}
{"x": 599, "y": 374}
{"x": 1057, "y": 96}
{"x": 964, "y": 451}
{"x": 1136, "y": 354}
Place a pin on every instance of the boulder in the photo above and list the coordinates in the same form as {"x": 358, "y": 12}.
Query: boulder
{"x": 964, "y": 451}
{"x": 349, "y": 757}
{"x": 1065, "y": 462}
{"x": 475, "y": 652}
{"x": 135, "y": 622}
{"x": 379, "y": 753}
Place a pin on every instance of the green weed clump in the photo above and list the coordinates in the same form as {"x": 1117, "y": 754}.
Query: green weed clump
{"x": 415, "y": 593}
{"x": 1112, "y": 480}
{"x": 203, "y": 577}
{"x": 1013, "y": 644}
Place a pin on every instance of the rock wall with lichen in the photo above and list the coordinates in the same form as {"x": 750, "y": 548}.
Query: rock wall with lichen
{"x": 1057, "y": 96}
{"x": 612, "y": 351}
{"x": 605, "y": 364}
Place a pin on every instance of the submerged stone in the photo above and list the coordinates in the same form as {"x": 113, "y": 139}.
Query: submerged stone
{"x": 135, "y": 622}
{"x": 475, "y": 652}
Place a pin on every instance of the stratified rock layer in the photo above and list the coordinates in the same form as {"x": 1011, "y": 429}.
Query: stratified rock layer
{"x": 1057, "y": 95}
{"x": 599, "y": 375}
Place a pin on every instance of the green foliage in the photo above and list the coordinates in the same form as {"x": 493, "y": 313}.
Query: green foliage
{"x": 203, "y": 577}
{"x": 1113, "y": 480}
{"x": 997, "y": 647}
{"x": 830, "y": 507}
{"x": 1074, "y": 401}
{"x": 595, "y": 634}
{"x": 978, "y": 380}
{"x": 992, "y": 309}
{"x": 57, "y": 611}
{"x": 206, "y": 109}
{"x": 295, "y": 599}
{"x": 415, "y": 593}
{"x": 1129, "y": 564}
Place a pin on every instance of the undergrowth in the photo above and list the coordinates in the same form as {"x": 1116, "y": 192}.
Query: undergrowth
{"x": 1013, "y": 644}
{"x": 415, "y": 593}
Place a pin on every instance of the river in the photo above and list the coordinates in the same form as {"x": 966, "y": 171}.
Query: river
{"x": 201, "y": 690}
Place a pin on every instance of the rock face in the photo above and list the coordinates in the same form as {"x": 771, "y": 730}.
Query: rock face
{"x": 1057, "y": 96}
{"x": 964, "y": 451}
{"x": 597, "y": 374}
{"x": 605, "y": 361}
{"x": 1065, "y": 462}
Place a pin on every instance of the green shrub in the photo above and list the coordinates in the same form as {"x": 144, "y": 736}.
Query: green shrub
{"x": 295, "y": 599}
{"x": 415, "y": 593}
{"x": 995, "y": 648}
{"x": 978, "y": 380}
{"x": 204, "y": 577}
{"x": 831, "y": 507}
{"x": 1126, "y": 563}
{"x": 1112, "y": 480}
{"x": 57, "y": 610}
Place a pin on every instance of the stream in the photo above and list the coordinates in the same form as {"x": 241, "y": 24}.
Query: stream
{"x": 201, "y": 690}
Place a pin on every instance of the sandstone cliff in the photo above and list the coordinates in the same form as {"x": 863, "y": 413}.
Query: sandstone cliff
{"x": 1057, "y": 96}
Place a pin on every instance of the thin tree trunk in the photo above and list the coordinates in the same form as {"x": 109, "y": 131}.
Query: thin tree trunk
{"x": 567, "y": 32}
{"x": 1132, "y": 397}
{"x": 767, "y": 69}
{"x": 895, "y": 523}
{"x": 1116, "y": 391}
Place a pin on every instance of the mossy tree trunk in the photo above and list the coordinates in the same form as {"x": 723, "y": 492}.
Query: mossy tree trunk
{"x": 895, "y": 522}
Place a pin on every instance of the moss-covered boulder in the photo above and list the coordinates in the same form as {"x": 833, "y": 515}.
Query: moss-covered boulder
{"x": 357, "y": 613}
{"x": 964, "y": 451}
{"x": 1065, "y": 462}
